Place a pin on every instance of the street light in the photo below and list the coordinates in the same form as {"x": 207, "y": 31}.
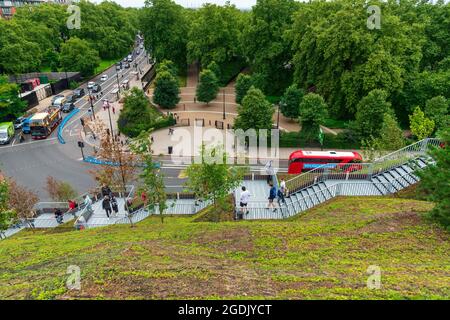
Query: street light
{"x": 107, "y": 105}
{"x": 92, "y": 105}
{"x": 81, "y": 146}
{"x": 224, "y": 116}
{"x": 278, "y": 117}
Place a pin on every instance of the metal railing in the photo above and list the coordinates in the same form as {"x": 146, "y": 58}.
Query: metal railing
{"x": 361, "y": 171}
{"x": 259, "y": 210}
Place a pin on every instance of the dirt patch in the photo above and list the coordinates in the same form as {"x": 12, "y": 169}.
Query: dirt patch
{"x": 236, "y": 239}
{"x": 392, "y": 222}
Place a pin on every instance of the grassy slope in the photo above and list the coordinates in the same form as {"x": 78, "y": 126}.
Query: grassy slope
{"x": 322, "y": 254}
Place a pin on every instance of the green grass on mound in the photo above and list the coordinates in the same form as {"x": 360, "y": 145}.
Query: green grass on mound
{"x": 323, "y": 254}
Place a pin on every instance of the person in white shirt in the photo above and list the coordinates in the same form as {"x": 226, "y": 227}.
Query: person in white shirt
{"x": 245, "y": 197}
{"x": 283, "y": 188}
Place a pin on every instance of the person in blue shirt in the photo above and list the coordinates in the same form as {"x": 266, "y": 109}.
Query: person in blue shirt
{"x": 272, "y": 197}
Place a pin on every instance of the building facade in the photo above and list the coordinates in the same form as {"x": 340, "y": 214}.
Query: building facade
{"x": 8, "y": 7}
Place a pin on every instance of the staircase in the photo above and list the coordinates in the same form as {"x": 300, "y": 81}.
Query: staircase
{"x": 387, "y": 175}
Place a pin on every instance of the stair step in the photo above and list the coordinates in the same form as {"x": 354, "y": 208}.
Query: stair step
{"x": 380, "y": 185}
{"x": 399, "y": 179}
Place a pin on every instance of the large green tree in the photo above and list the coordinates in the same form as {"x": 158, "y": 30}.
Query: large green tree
{"x": 435, "y": 181}
{"x": 167, "y": 90}
{"x": 11, "y": 106}
{"x": 343, "y": 60}
{"x": 290, "y": 102}
{"x": 165, "y": 27}
{"x": 370, "y": 114}
{"x": 313, "y": 112}
{"x": 266, "y": 47}
{"x": 421, "y": 126}
{"x": 215, "y": 34}
{"x": 208, "y": 86}
{"x": 391, "y": 135}
{"x": 135, "y": 116}
{"x": 243, "y": 84}
{"x": 78, "y": 55}
{"x": 437, "y": 110}
{"x": 255, "y": 112}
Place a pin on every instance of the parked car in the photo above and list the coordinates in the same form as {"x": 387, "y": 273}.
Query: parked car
{"x": 60, "y": 102}
{"x": 71, "y": 98}
{"x": 127, "y": 65}
{"x": 58, "y": 96}
{"x": 118, "y": 66}
{"x": 141, "y": 46}
{"x": 104, "y": 78}
{"x": 68, "y": 107}
{"x": 79, "y": 93}
{"x": 96, "y": 88}
{"x": 6, "y": 132}
{"x": 18, "y": 124}
{"x": 90, "y": 84}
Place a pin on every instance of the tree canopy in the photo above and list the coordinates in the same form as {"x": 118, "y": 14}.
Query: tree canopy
{"x": 255, "y": 112}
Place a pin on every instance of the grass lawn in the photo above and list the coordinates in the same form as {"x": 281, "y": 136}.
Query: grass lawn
{"x": 325, "y": 253}
{"x": 105, "y": 64}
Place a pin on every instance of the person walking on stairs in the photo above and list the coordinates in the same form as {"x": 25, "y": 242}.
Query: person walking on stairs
{"x": 106, "y": 205}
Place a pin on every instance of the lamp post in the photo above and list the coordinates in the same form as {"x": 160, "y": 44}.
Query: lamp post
{"x": 118, "y": 82}
{"x": 107, "y": 105}
{"x": 92, "y": 105}
{"x": 81, "y": 146}
{"x": 224, "y": 115}
{"x": 278, "y": 115}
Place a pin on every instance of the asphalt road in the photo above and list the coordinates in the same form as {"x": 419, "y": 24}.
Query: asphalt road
{"x": 31, "y": 162}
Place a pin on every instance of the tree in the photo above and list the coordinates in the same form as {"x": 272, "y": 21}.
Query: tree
{"x": 78, "y": 55}
{"x": 313, "y": 112}
{"x": 59, "y": 191}
{"x": 243, "y": 84}
{"x": 11, "y": 106}
{"x": 6, "y": 215}
{"x": 167, "y": 90}
{"x": 208, "y": 86}
{"x": 421, "y": 126}
{"x": 391, "y": 136}
{"x": 437, "y": 110}
{"x": 434, "y": 181}
{"x": 22, "y": 201}
{"x": 136, "y": 115}
{"x": 265, "y": 45}
{"x": 119, "y": 166}
{"x": 165, "y": 25}
{"x": 214, "y": 67}
{"x": 212, "y": 179}
{"x": 255, "y": 112}
{"x": 167, "y": 65}
{"x": 370, "y": 114}
{"x": 214, "y": 34}
{"x": 152, "y": 178}
{"x": 290, "y": 102}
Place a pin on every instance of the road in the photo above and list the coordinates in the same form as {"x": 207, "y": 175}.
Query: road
{"x": 31, "y": 162}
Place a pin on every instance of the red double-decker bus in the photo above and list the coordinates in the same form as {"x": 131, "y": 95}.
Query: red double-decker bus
{"x": 303, "y": 161}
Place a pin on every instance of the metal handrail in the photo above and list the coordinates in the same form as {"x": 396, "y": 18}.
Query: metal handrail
{"x": 334, "y": 191}
{"x": 382, "y": 164}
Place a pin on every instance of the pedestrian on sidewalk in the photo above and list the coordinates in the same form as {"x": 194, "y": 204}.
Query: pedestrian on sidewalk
{"x": 106, "y": 190}
{"x": 269, "y": 171}
{"x": 281, "y": 199}
{"x": 106, "y": 205}
{"x": 59, "y": 216}
{"x": 243, "y": 202}
{"x": 72, "y": 205}
{"x": 114, "y": 205}
{"x": 272, "y": 196}
{"x": 113, "y": 110}
{"x": 283, "y": 188}
{"x": 152, "y": 139}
